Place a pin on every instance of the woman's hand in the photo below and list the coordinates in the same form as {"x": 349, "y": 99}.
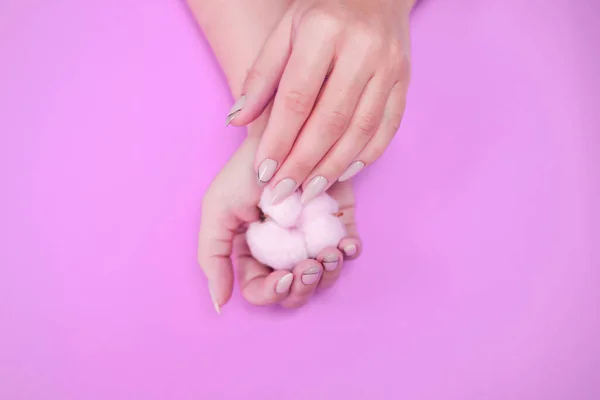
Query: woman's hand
{"x": 228, "y": 206}
{"x": 339, "y": 70}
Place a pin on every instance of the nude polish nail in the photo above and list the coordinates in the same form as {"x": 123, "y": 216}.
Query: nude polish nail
{"x": 266, "y": 170}
{"x": 350, "y": 250}
{"x": 213, "y": 297}
{"x": 235, "y": 109}
{"x": 283, "y": 189}
{"x": 311, "y": 275}
{"x": 352, "y": 170}
{"x": 330, "y": 262}
{"x": 314, "y": 188}
{"x": 283, "y": 284}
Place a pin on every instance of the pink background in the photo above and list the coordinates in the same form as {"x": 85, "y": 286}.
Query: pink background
{"x": 480, "y": 273}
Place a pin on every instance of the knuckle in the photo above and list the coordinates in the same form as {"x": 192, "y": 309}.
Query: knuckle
{"x": 297, "y": 102}
{"x": 396, "y": 116}
{"x": 367, "y": 124}
{"x": 336, "y": 123}
{"x": 325, "y": 21}
{"x": 336, "y": 166}
{"x": 253, "y": 75}
{"x": 279, "y": 146}
{"x": 400, "y": 62}
{"x": 301, "y": 166}
{"x": 366, "y": 37}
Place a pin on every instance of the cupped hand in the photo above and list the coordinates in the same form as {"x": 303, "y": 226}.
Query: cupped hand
{"x": 339, "y": 72}
{"x": 228, "y": 206}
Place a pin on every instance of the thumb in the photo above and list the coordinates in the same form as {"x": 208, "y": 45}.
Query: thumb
{"x": 215, "y": 243}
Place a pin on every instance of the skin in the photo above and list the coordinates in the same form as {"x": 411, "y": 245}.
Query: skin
{"x": 337, "y": 73}
{"x": 231, "y": 201}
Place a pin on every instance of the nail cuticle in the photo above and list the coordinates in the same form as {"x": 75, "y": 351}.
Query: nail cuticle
{"x": 235, "y": 109}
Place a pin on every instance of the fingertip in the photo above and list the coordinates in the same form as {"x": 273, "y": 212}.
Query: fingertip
{"x": 331, "y": 258}
{"x": 307, "y": 275}
{"x": 350, "y": 247}
{"x": 220, "y": 282}
{"x": 270, "y": 289}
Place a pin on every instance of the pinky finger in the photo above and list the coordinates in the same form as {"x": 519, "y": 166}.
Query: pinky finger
{"x": 390, "y": 123}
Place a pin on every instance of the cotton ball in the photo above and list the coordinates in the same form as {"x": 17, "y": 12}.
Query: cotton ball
{"x": 285, "y": 213}
{"x": 323, "y": 204}
{"x": 277, "y": 247}
{"x": 320, "y": 226}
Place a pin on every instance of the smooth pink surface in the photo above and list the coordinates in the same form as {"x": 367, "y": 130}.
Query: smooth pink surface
{"x": 480, "y": 272}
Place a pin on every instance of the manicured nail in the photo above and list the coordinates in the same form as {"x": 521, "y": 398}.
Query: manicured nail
{"x": 235, "y": 109}
{"x": 330, "y": 262}
{"x": 314, "y": 188}
{"x": 350, "y": 250}
{"x": 284, "y": 284}
{"x": 213, "y": 297}
{"x": 266, "y": 170}
{"x": 311, "y": 275}
{"x": 352, "y": 170}
{"x": 283, "y": 190}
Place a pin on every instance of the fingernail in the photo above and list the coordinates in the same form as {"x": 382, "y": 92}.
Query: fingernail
{"x": 311, "y": 275}
{"x": 314, "y": 188}
{"x": 283, "y": 190}
{"x": 352, "y": 170}
{"x": 283, "y": 284}
{"x": 213, "y": 297}
{"x": 330, "y": 262}
{"x": 350, "y": 250}
{"x": 266, "y": 170}
{"x": 235, "y": 109}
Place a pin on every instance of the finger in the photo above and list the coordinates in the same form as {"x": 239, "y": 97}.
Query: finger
{"x": 300, "y": 85}
{"x": 262, "y": 79}
{"x": 392, "y": 117}
{"x": 343, "y": 193}
{"x": 333, "y": 263}
{"x": 307, "y": 275}
{"x": 364, "y": 123}
{"x": 214, "y": 251}
{"x": 260, "y": 285}
{"x": 327, "y": 123}
{"x": 351, "y": 247}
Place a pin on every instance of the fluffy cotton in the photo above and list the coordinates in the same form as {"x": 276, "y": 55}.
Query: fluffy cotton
{"x": 286, "y": 213}
{"x": 275, "y": 246}
{"x": 321, "y": 232}
{"x": 293, "y": 232}
{"x": 320, "y": 205}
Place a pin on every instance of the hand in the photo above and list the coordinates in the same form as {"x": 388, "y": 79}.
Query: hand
{"x": 341, "y": 71}
{"x": 231, "y": 203}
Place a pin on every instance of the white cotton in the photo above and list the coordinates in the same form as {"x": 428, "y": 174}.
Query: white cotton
{"x": 293, "y": 232}
{"x": 286, "y": 213}
{"x": 277, "y": 247}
